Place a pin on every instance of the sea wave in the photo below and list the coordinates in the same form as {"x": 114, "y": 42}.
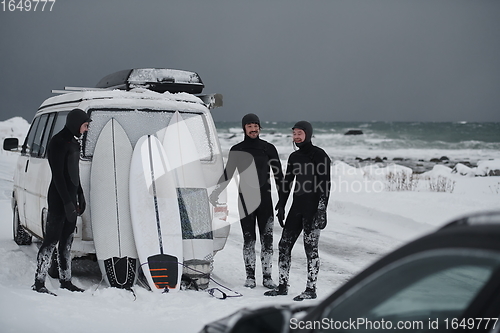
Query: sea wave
{"x": 415, "y": 140}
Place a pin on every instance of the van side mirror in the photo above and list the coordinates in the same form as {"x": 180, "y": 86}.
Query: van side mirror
{"x": 11, "y": 144}
{"x": 212, "y": 101}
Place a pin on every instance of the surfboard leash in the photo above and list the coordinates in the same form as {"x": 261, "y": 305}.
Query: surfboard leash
{"x": 129, "y": 289}
{"x": 213, "y": 291}
{"x": 99, "y": 284}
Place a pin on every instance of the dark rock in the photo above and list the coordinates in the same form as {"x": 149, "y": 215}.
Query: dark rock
{"x": 494, "y": 173}
{"x": 353, "y": 132}
{"x": 378, "y": 160}
{"x": 435, "y": 160}
{"x": 398, "y": 159}
{"x": 467, "y": 163}
{"x": 444, "y": 158}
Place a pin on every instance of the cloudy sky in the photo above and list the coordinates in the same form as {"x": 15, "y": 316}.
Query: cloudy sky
{"x": 336, "y": 60}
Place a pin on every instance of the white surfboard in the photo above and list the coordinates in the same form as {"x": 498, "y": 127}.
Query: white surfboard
{"x": 155, "y": 215}
{"x": 110, "y": 210}
{"x": 194, "y": 207}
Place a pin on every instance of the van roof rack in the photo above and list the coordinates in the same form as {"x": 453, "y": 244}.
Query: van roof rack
{"x": 211, "y": 101}
{"x": 75, "y": 89}
{"x": 155, "y": 79}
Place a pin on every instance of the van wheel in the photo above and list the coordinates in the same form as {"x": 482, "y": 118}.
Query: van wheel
{"x": 21, "y": 236}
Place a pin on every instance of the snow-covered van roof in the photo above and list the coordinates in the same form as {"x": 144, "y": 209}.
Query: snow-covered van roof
{"x": 152, "y": 88}
{"x": 137, "y": 98}
{"x": 156, "y": 79}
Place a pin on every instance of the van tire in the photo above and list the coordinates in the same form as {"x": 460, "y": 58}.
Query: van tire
{"x": 21, "y": 236}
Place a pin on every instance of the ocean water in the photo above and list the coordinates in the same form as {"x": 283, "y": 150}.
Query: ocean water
{"x": 413, "y": 142}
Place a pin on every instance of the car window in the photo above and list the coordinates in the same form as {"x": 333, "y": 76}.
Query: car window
{"x": 28, "y": 143}
{"x": 202, "y": 136}
{"x": 422, "y": 293}
{"x": 450, "y": 289}
{"x": 59, "y": 123}
{"x": 194, "y": 211}
{"x": 40, "y": 133}
{"x": 46, "y": 135}
{"x": 135, "y": 123}
{"x": 36, "y": 146}
{"x": 138, "y": 123}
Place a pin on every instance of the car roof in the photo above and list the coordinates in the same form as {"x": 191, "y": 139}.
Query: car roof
{"x": 488, "y": 217}
{"x": 459, "y": 236}
{"x": 134, "y": 97}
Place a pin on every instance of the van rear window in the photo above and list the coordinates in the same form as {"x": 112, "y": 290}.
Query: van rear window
{"x": 137, "y": 123}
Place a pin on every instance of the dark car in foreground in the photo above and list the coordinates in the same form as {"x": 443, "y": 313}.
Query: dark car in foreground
{"x": 447, "y": 281}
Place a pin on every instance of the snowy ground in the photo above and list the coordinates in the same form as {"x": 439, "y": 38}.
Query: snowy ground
{"x": 364, "y": 224}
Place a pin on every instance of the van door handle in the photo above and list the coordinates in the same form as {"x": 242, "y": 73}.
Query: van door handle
{"x": 27, "y": 163}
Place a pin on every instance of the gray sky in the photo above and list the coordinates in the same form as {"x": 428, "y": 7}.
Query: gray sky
{"x": 351, "y": 60}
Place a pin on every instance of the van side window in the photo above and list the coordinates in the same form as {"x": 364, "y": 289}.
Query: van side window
{"x": 59, "y": 123}
{"x": 53, "y": 126}
{"x": 28, "y": 143}
{"x": 36, "y": 148}
{"x": 46, "y": 136}
{"x": 200, "y": 131}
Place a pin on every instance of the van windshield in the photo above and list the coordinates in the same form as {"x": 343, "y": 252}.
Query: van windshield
{"x": 137, "y": 123}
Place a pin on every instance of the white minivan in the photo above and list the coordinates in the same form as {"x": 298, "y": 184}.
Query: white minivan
{"x": 143, "y": 102}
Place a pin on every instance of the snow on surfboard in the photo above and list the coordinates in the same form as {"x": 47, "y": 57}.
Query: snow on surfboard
{"x": 155, "y": 215}
{"x": 194, "y": 207}
{"x": 109, "y": 192}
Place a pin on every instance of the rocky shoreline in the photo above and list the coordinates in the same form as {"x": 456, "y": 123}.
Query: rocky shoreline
{"x": 419, "y": 166}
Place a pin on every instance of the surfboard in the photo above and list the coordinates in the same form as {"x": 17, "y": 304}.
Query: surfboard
{"x": 110, "y": 211}
{"x": 155, "y": 215}
{"x": 194, "y": 207}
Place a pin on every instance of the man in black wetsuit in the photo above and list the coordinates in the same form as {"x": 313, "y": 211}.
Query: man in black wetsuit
{"x": 65, "y": 201}
{"x": 254, "y": 158}
{"x": 310, "y": 167}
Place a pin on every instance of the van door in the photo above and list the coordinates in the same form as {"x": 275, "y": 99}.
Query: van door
{"x": 36, "y": 174}
{"x": 41, "y": 170}
{"x": 22, "y": 167}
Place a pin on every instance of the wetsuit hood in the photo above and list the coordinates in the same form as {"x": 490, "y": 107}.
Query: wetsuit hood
{"x": 308, "y": 129}
{"x": 249, "y": 118}
{"x": 75, "y": 119}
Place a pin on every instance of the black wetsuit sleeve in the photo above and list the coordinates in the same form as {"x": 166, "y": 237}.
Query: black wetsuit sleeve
{"x": 287, "y": 183}
{"x": 275, "y": 163}
{"x": 57, "y": 156}
{"x": 229, "y": 170}
{"x": 324, "y": 175}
